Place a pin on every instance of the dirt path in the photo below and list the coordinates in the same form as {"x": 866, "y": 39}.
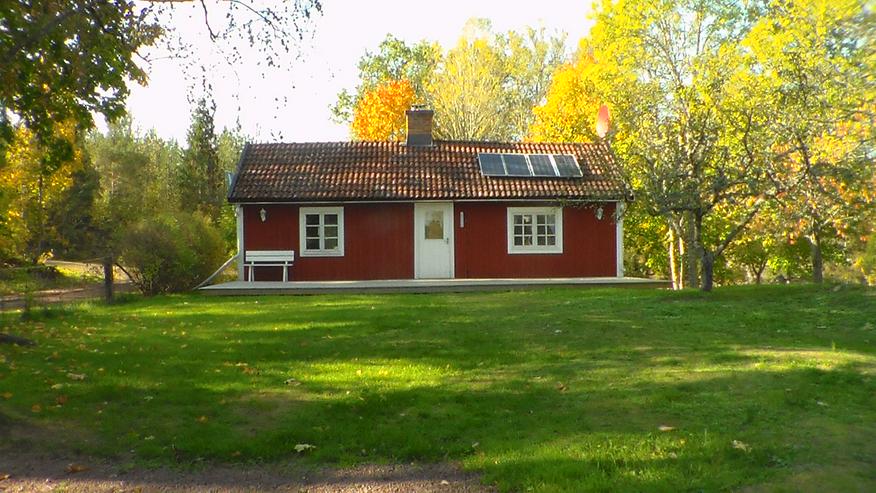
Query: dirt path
{"x": 32, "y": 473}
{"x": 51, "y": 296}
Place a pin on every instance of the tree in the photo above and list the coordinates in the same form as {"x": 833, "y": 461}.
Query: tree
{"x": 488, "y": 85}
{"x": 569, "y": 111}
{"x": 65, "y": 61}
{"x": 814, "y": 66}
{"x": 380, "y": 112}
{"x": 201, "y": 181}
{"x": 34, "y": 186}
{"x": 683, "y": 127}
{"x": 394, "y": 60}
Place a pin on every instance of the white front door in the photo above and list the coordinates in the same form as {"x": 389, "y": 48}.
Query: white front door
{"x": 433, "y": 240}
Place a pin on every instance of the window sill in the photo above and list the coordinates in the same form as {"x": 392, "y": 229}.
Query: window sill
{"x": 318, "y": 253}
{"x": 535, "y": 252}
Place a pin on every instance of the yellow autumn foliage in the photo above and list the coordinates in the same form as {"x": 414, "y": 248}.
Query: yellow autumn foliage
{"x": 380, "y": 113}
{"x": 27, "y": 188}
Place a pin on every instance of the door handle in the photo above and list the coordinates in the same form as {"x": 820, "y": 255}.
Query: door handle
{"x": 447, "y": 240}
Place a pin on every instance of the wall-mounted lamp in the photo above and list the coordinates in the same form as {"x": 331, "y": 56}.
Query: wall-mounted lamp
{"x": 599, "y": 212}
{"x": 263, "y": 214}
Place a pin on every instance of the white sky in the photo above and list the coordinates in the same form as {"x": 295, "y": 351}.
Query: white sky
{"x": 327, "y": 63}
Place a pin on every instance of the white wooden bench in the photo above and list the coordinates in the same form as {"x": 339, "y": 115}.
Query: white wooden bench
{"x": 269, "y": 258}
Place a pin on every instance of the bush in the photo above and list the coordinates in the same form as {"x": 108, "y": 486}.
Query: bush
{"x": 172, "y": 252}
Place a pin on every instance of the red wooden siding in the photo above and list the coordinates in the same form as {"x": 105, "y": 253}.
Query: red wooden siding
{"x": 589, "y": 248}
{"x": 378, "y": 243}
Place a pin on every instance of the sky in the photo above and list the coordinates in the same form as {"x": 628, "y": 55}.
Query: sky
{"x": 292, "y": 104}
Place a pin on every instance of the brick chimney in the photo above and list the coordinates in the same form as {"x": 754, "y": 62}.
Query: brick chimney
{"x": 419, "y": 126}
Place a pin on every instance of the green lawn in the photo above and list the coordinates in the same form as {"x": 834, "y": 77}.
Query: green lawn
{"x": 764, "y": 388}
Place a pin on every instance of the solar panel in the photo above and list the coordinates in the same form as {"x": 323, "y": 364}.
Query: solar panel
{"x": 541, "y": 165}
{"x": 529, "y": 165}
{"x": 491, "y": 164}
{"x": 567, "y": 165}
{"x": 516, "y": 165}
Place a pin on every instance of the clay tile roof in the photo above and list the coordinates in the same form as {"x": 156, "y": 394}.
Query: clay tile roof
{"x": 387, "y": 171}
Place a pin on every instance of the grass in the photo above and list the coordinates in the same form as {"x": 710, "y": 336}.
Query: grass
{"x": 756, "y": 388}
{"x": 23, "y": 280}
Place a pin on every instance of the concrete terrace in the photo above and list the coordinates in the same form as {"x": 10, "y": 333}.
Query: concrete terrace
{"x": 422, "y": 285}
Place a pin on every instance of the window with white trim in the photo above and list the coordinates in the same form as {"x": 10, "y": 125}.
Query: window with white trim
{"x": 321, "y": 231}
{"x": 535, "y": 230}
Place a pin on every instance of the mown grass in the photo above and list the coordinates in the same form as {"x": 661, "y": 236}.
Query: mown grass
{"x": 764, "y": 388}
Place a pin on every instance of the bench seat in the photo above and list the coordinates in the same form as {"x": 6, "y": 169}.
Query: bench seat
{"x": 268, "y": 258}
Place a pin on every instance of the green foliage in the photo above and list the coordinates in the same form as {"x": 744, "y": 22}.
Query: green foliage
{"x": 65, "y": 61}
{"x": 172, "y": 252}
{"x": 200, "y": 178}
{"x": 394, "y": 60}
{"x": 484, "y": 88}
{"x": 765, "y": 388}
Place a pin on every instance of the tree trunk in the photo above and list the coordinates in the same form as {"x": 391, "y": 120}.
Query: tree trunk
{"x": 708, "y": 270}
{"x": 691, "y": 250}
{"x": 672, "y": 270}
{"x": 108, "y": 279}
{"x": 817, "y": 260}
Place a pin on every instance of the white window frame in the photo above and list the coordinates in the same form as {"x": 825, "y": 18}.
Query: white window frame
{"x": 302, "y": 232}
{"x": 535, "y": 249}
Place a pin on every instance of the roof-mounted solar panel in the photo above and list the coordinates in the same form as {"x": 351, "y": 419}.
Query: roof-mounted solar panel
{"x": 516, "y": 165}
{"x": 529, "y": 165}
{"x": 541, "y": 165}
{"x": 491, "y": 164}
{"x": 567, "y": 166}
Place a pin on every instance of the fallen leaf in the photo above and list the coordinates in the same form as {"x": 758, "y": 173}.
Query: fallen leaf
{"x": 562, "y": 387}
{"x": 36, "y": 408}
{"x": 61, "y": 400}
{"x": 665, "y": 428}
{"x": 292, "y": 381}
{"x": 741, "y": 446}
{"x": 202, "y": 419}
{"x": 822, "y": 404}
{"x": 444, "y": 482}
{"x": 74, "y": 468}
{"x": 76, "y": 376}
{"x": 6, "y": 395}
{"x": 4, "y": 476}
{"x": 303, "y": 447}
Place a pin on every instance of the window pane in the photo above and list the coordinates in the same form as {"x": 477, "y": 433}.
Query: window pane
{"x": 331, "y": 231}
{"x": 435, "y": 225}
{"x": 541, "y": 230}
{"x": 527, "y": 230}
{"x": 331, "y": 243}
{"x": 527, "y": 219}
{"x": 312, "y": 232}
{"x": 551, "y": 219}
{"x": 540, "y": 241}
{"x": 330, "y": 219}
{"x": 551, "y": 230}
{"x": 312, "y": 244}
{"x": 518, "y": 219}
{"x": 518, "y": 241}
{"x": 311, "y": 219}
{"x": 540, "y": 219}
{"x": 527, "y": 240}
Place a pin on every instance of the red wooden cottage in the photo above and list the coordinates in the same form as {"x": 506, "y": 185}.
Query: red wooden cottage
{"x": 425, "y": 209}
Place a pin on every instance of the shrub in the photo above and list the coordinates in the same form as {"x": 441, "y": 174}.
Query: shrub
{"x": 172, "y": 252}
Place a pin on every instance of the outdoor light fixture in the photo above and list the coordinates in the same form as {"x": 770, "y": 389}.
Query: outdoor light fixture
{"x": 264, "y": 215}
{"x": 598, "y": 213}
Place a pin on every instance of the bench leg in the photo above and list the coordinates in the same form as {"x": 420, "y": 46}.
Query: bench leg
{"x": 251, "y": 273}
{"x": 285, "y": 272}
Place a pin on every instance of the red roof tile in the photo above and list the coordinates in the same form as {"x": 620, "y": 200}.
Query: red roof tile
{"x": 387, "y": 171}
